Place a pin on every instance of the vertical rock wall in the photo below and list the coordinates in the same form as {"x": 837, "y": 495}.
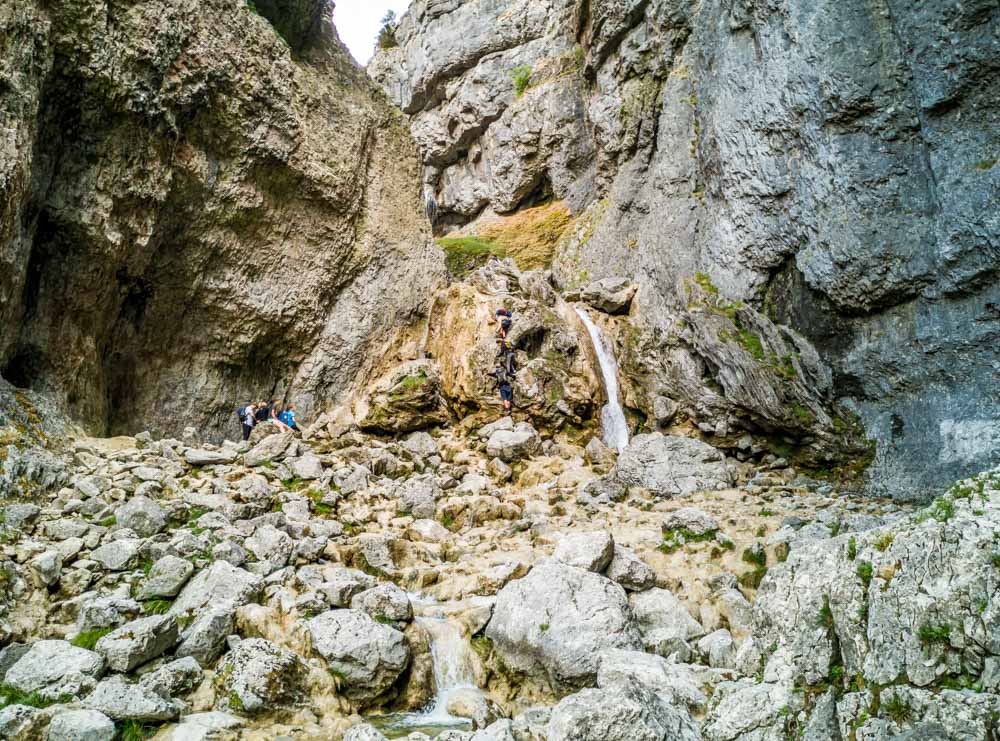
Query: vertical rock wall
{"x": 831, "y": 164}
{"x": 200, "y": 203}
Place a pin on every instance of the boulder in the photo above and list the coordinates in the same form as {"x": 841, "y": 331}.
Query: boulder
{"x": 221, "y": 585}
{"x": 718, "y": 649}
{"x": 271, "y": 448}
{"x": 257, "y": 676}
{"x": 517, "y": 444}
{"x": 120, "y": 700}
{"x": 691, "y": 520}
{"x": 407, "y": 398}
{"x": 340, "y": 584}
{"x": 307, "y": 467}
{"x": 364, "y": 732}
{"x": 174, "y": 678}
{"x": 664, "y": 622}
{"x": 384, "y": 602}
{"x": 627, "y": 711}
{"x": 21, "y": 722}
{"x": 591, "y": 551}
{"x": 105, "y": 612}
{"x": 670, "y": 466}
{"x": 599, "y": 454}
{"x": 630, "y": 571}
{"x": 420, "y": 444}
{"x": 137, "y": 642}
{"x": 468, "y": 702}
{"x": 118, "y": 555}
{"x": 675, "y": 683}
{"x": 610, "y": 295}
{"x": 46, "y": 567}
{"x": 54, "y": 669}
{"x": 553, "y": 623}
{"x": 141, "y": 515}
{"x": 205, "y": 638}
{"x": 418, "y": 497}
{"x": 367, "y": 655}
{"x": 166, "y": 578}
{"x": 80, "y": 725}
{"x": 271, "y": 546}
{"x": 203, "y": 457}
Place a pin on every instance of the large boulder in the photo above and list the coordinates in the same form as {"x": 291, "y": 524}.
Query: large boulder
{"x": 610, "y": 295}
{"x": 221, "y": 585}
{"x": 258, "y": 676}
{"x": 664, "y": 622}
{"x": 142, "y": 515}
{"x": 386, "y": 602}
{"x": 670, "y": 466}
{"x": 166, "y": 578}
{"x": 54, "y": 669}
{"x": 553, "y": 624}
{"x": 118, "y": 555}
{"x": 80, "y": 725}
{"x": 514, "y": 445}
{"x": 407, "y": 398}
{"x": 366, "y": 655}
{"x": 591, "y": 551}
{"x": 271, "y": 448}
{"x": 137, "y": 642}
{"x": 626, "y": 711}
{"x": 120, "y": 700}
{"x": 630, "y": 571}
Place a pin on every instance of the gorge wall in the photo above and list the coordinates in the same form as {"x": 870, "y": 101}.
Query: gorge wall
{"x": 827, "y": 166}
{"x": 201, "y": 203}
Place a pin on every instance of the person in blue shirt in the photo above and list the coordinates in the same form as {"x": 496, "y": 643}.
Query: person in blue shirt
{"x": 287, "y": 417}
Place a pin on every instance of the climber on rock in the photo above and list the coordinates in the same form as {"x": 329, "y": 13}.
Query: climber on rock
{"x": 503, "y": 378}
{"x": 504, "y": 320}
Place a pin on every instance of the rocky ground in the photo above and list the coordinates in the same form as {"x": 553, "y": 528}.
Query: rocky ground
{"x": 268, "y": 590}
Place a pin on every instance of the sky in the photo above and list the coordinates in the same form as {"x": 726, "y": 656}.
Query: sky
{"x": 357, "y": 23}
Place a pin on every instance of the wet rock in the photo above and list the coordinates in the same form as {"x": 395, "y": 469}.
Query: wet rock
{"x": 591, "y": 551}
{"x": 553, "y": 623}
{"x": 137, "y": 642}
{"x": 626, "y": 711}
{"x": 472, "y": 704}
{"x": 80, "y": 725}
{"x": 664, "y": 622}
{"x": 168, "y": 575}
{"x": 364, "y": 732}
{"x": 257, "y": 676}
{"x": 54, "y": 668}
{"x": 384, "y": 602}
{"x": 630, "y": 571}
{"x": 671, "y": 466}
{"x": 369, "y": 656}
{"x": 120, "y": 700}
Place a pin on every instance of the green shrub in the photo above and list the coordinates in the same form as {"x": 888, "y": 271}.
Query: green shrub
{"x": 825, "y": 617}
{"x": 521, "y": 75}
{"x": 852, "y": 548}
{"x": 884, "y": 541}
{"x": 89, "y": 638}
{"x": 462, "y": 255}
{"x": 157, "y": 606}
{"x": 930, "y": 633}
{"x": 864, "y": 572}
{"x": 386, "y": 38}
{"x": 134, "y": 730}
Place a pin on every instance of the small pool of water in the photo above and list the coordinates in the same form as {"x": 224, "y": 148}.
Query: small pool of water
{"x": 399, "y": 725}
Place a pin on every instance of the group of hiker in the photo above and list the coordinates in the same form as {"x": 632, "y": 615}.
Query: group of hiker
{"x": 261, "y": 412}
{"x": 505, "y": 371}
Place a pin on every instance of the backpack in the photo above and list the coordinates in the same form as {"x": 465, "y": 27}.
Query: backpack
{"x": 505, "y": 324}
{"x": 241, "y": 413}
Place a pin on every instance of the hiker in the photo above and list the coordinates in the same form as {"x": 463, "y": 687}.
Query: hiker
{"x": 504, "y": 320}
{"x": 262, "y": 411}
{"x": 287, "y": 418}
{"x": 503, "y": 379}
{"x": 247, "y": 419}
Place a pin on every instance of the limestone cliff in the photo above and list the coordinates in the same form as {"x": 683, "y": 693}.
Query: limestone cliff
{"x": 830, "y": 165}
{"x": 200, "y": 203}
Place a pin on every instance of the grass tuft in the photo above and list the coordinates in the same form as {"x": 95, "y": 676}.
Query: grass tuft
{"x": 89, "y": 638}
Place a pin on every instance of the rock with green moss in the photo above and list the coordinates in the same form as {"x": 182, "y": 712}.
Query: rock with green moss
{"x": 408, "y": 398}
{"x": 258, "y": 676}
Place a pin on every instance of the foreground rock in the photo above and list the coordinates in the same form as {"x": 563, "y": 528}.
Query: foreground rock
{"x": 554, "y": 622}
{"x": 368, "y": 656}
{"x": 258, "y": 676}
{"x": 55, "y": 669}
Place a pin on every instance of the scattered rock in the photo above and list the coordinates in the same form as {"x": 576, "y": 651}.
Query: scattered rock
{"x": 137, "y": 642}
{"x": 142, "y": 515}
{"x": 591, "y": 551}
{"x": 257, "y": 676}
{"x": 80, "y": 725}
{"x": 168, "y": 575}
{"x": 54, "y": 669}
{"x": 120, "y": 700}
{"x": 630, "y": 571}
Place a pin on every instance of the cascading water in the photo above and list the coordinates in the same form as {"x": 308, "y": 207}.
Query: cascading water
{"x": 454, "y": 671}
{"x": 613, "y": 423}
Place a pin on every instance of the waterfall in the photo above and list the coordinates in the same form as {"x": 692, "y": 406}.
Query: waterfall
{"x": 613, "y": 423}
{"x": 452, "y": 657}
{"x": 454, "y": 670}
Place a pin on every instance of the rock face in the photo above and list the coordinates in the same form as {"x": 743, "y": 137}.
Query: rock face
{"x": 555, "y": 621}
{"x": 264, "y": 206}
{"x": 740, "y": 148}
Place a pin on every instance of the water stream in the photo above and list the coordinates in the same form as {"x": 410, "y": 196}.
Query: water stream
{"x": 454, "y": 670}
{"x": 613, "y": 424}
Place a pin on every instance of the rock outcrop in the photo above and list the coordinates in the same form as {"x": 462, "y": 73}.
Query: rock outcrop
{"x": 203, "y": 203}
{"x": 746, "y": 148}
